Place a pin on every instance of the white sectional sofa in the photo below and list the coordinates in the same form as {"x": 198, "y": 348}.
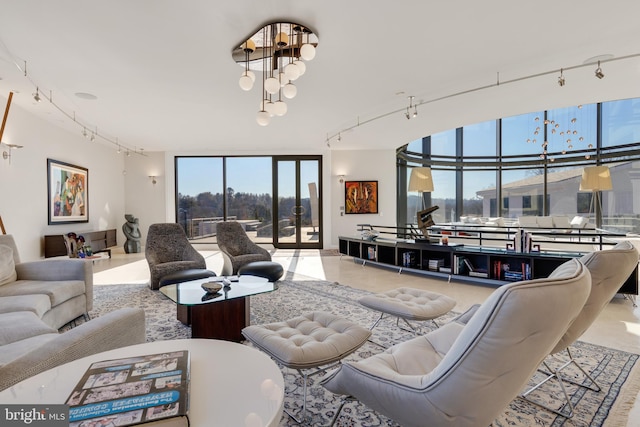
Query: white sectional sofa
{"x": 552, "y": 222}
{"x": 36, "y": 299}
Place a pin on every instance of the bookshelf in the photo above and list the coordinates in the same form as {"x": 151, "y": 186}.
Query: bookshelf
{"x": 473, "y": 264}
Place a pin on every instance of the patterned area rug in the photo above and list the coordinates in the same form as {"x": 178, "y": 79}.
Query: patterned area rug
{"x": 614, "y": 370}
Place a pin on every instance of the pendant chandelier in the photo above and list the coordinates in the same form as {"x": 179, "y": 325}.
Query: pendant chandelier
{"x": 276, "y": 54}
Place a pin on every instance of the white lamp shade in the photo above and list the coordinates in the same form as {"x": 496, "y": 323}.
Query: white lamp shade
{"x": 279, "y": 108}
{"x": 263, "y": 118}
{"x": 421, "y": 180}
{"x": 308, "y": 52}
{"x": 289, "y": 90}
{"x": 596, "y": 178}
{"x": 245, "y": 82}
{"x": 271, "y": 85}
{"x": 302, "y": 67}
{"x": 269, "y": 107}
{"x": 292, "y": 71}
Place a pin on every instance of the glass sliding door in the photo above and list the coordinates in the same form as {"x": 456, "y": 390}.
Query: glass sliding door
{"x": 297, "y": 202}
{"x": 248, "y": 195}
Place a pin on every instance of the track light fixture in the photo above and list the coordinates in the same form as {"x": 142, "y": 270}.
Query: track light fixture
{"x": 36, "y": 96}
{"x": 561, "y": 78}
{"x": 599, "y": 73}
{"x": 410, "y": 114}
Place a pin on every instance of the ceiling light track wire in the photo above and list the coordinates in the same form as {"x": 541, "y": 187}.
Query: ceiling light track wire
{"x": 41, "y": 94}
{"x": 481, "y": 88}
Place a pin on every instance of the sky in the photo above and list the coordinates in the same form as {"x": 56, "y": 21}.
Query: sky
{"x": 244, "y": 174}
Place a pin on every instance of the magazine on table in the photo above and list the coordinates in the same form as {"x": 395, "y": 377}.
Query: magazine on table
{"x": 152, "y": 389}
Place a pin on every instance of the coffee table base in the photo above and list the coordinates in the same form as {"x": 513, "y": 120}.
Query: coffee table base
{"x": 223, "y": 320}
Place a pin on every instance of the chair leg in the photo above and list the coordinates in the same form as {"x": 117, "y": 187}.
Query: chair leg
{"x": 339, "y": 410}
{"x": 305, "y": 377}
{"x": 376, "y": 322}
{"x": 556, "y": 373}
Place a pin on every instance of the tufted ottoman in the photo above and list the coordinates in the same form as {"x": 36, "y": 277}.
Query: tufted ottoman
{"x": 313, "y": 340}
{"x": 409, "y": 304}
{"x": 268, "y": 269}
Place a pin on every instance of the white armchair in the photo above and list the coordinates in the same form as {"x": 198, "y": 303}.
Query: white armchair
{"x": 465, "y": 375}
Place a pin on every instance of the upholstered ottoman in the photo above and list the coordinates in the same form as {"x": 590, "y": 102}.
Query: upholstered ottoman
{"x": 267, "y": 269}
{"x": 409, "y": 304}
{"x": 185, "y": 276}
{"x": 310, "y": 341}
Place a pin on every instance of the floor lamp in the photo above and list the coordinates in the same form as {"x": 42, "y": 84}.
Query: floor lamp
{"x": 422, "y": 182}
{"x": 596, "y": 179}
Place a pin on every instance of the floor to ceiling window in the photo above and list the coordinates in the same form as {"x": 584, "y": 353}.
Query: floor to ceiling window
{"x": 532, "y": 165}
{"x": 240, "y": 188}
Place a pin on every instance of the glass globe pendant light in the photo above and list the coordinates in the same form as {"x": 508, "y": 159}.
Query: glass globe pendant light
{"x": 284, "y": 46}
{"x": 247, "y": 78}
{"x": 289, "y": 90}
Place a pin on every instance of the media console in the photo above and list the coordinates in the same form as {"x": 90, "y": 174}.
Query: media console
{"x": 100, "y": 241}
{"x": 487, "y": 266}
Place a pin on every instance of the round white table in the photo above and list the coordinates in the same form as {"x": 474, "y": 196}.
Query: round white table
{"x": 231, "y": 384}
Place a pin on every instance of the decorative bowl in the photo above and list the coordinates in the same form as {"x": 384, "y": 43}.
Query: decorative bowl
{"x": 211, "y": 287}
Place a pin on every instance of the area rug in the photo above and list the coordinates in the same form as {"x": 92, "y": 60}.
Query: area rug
{"x": 616, "y": 371}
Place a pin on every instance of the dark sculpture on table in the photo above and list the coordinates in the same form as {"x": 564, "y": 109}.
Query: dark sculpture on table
{"x": 131, "y": 231}
{"x": 425, "y": 221}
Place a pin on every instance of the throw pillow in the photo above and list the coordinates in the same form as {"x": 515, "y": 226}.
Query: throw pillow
{"x": 7, "y": 266}
{"x": 578, "y": 222}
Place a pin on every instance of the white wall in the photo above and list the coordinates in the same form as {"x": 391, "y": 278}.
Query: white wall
{"x": 361, "y": 165}
{"x": 120, "y": 184}
{"x": 143, "y": 199}
{"x": 23, "y": 183}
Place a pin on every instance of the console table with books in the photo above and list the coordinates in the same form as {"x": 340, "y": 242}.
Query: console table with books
{"x": 100, "y": 241}
{"x": 482, "y": 265}
{"x": 250, "y": 394}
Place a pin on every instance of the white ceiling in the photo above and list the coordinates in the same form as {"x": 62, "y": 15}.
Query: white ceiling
{"x": 164, "y": 78}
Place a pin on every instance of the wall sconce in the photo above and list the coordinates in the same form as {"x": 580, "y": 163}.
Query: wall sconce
{"x": 154, "y": 181}
{"x": 341, "y": 179}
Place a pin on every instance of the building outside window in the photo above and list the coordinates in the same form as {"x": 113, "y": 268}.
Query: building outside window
{"x": 534, "y": 163}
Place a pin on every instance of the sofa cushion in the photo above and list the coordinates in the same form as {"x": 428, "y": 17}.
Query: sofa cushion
{"x": 58, "y": 291}
{"x": 38, "y": 304}
{"x": 527, "y": 221}
{"x": 561, "y": 221}
{"x": 29, "y": 325}
{"x": 544, "y": 221}
{"x": 7, "y": 266}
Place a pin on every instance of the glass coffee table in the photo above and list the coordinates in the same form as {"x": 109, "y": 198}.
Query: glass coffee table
{"x": 222, "y": 315}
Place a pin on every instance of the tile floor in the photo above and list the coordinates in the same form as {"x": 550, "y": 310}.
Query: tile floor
{"x": 618, "y": 326}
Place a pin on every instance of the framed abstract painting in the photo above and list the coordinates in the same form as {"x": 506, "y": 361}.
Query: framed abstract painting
{"x": 67, "y": 192}
{"x": 361, "y": 197}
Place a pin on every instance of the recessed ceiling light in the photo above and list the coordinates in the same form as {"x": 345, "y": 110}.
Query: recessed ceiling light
{"x": 85, "y": 95}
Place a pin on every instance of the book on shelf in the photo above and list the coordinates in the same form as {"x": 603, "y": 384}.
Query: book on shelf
{"x": 468, "y": 264}
{"x": 444, "y": 270}
{"x": 371, "y": 252}
{"x": 435, "y": 264}
{"x": 408, "y": 259}
{"x": 149, "y": 390}
{"x": 479, "y": 273}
